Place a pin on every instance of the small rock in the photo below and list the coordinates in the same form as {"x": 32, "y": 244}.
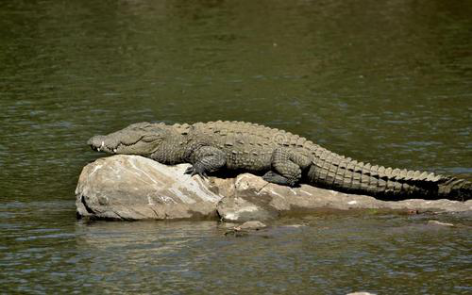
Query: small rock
{"x": 435, "y": 222}
{"x": 243, "y": 229}
{"x": 412, "y": 212}
{"x": 252, "y": 225}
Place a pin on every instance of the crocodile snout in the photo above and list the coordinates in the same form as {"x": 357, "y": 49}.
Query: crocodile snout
{"x": 97, "y": 143}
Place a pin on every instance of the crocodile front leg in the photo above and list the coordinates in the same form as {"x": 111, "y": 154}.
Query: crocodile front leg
{"x": 206, "y": 159}
{"x": 287, "y": 165}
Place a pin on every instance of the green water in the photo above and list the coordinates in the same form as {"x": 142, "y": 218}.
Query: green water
{"x": 389, "y": 82}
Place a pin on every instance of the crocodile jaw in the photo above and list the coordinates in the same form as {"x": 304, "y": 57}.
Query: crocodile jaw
{"x": 126, "y": 142}
{"x": 100, "y": 143}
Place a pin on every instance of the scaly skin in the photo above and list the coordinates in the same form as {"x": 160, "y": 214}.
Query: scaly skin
{"x": 281, "y": 157}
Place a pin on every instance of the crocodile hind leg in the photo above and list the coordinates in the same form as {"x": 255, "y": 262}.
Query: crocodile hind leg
{"x": 287, "y": 166}
{"x": 206, "y": 159}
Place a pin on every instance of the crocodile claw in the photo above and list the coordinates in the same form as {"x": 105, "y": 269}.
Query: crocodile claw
{"x": 194, "y": 170}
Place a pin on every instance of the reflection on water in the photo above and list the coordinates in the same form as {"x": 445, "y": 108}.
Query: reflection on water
{"x": 381, "y": 81}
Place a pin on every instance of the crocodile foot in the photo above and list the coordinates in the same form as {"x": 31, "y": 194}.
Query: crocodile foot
{"x": 196, "y": 169}
{"x": 276, "y": 178}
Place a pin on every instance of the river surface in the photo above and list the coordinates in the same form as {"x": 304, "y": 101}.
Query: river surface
{"x": 389, "y": 82}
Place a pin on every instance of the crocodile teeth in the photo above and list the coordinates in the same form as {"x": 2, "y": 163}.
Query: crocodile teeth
{"x": 101, "y": 146}
{"x": 114, "y": 150}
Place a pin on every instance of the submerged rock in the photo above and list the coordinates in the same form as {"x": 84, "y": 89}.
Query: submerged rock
{"x": 252, "y": 225}
{"x": 133, "y": 188}
{"x": 246, "y": 227}
{"x": 440, "y": 223}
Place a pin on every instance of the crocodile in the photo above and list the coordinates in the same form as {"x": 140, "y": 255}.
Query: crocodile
{"x": 279, "y": 156}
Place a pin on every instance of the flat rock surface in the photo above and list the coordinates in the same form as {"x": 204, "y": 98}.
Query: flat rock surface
{"x": 134, "y": 188}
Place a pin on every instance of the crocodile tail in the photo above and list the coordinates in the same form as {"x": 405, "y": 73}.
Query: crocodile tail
{"x": 456, "y": 188}
{"x": 333, "y": 171}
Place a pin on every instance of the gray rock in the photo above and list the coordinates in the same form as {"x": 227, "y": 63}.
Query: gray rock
{"x": 133, "y": 188}
{"x": 254, "y": 199}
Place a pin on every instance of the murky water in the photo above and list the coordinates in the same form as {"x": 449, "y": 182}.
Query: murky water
{"x": 388, "y": 82}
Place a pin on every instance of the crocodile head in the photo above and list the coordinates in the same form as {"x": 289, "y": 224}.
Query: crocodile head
{"x": 136, "y": 139}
